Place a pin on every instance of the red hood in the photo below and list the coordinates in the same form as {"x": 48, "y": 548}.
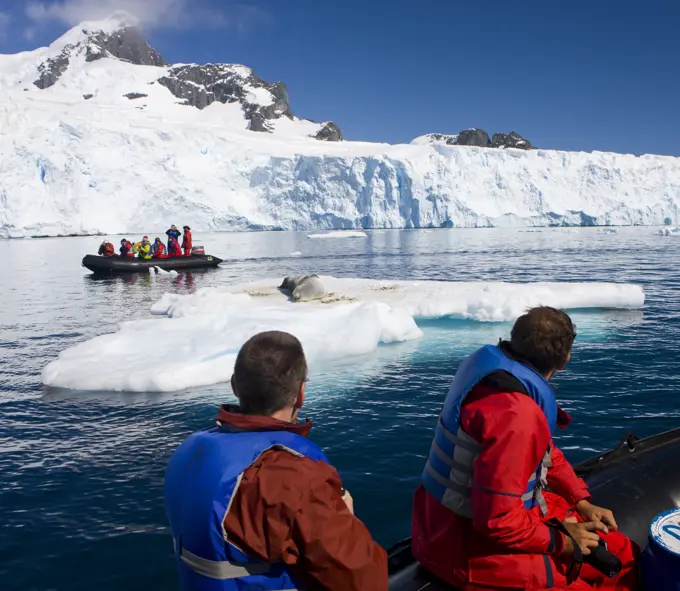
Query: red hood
{"x": 230, "y": 414}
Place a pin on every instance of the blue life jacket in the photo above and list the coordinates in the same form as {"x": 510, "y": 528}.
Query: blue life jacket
{"x": 201, "y": 479}
{"x": 448, "y": 472}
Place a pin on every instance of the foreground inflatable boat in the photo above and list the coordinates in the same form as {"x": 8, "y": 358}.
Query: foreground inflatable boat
{"x": 115, "y": 264}
{"x": 637, "y": 480}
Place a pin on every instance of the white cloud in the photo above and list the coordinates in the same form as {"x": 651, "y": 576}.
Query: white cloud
{"x": 147, "y": 13}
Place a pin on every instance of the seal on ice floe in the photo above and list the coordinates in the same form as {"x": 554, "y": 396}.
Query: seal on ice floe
{"x": 304, "y": 287}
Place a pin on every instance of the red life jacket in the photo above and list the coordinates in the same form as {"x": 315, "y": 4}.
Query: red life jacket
{"x": 187, "y": 241}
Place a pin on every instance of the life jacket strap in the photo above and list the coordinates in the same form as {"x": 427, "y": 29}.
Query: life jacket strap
{"x": 467, "y": 443}
{"x": 222, "y": 570}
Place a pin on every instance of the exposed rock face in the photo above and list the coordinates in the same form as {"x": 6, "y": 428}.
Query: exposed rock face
{"x": 200, "y": 86}
{"x": 473, "y": 137}
{"x": 476, "y": 137}
{"x": 512, "y": 140}
{"x": 125, "y": 44}
{"x": 87, "y": 96}
{"x": 330, "y": 132}
{"x": 51, "y": 69}
{"x": 135, "y": 95}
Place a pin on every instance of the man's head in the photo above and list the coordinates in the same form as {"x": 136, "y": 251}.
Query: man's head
{"x": 173, "y": 227}
{"x": 270, "y": 374}
{"x": 543, "y": 337}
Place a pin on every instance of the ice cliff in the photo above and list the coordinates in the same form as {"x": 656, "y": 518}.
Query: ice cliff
{"x": 100, "y": 135}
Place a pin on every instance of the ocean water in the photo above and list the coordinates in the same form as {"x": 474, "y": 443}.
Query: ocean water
{"x": 81, "y": 473}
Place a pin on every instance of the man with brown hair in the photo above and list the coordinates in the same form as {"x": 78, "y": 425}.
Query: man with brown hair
{"x": 253, "y": 504}
{"x": 482, "y": 518}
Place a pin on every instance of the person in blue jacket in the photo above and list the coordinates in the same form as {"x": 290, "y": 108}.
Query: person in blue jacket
{"x": 173, "y": 232}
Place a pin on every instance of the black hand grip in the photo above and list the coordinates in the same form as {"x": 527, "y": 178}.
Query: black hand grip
{"x": 603, "y": 560}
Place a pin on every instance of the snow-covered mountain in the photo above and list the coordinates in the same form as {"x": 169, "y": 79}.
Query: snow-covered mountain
{"x": 99, "y": 135}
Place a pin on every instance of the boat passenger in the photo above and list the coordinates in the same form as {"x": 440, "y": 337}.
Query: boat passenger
{"x": 158, "y": 249}
{"x": 173, "y": 232}
{"x": 144, "y": 248}
{"x": 253, "y": 504}
{"x": 482, "y": 516}
{"x": 125, "y": 248}
{"x": 106, "y": 249}
{"x": 173, "y": 249}
{"x": 187, "y": 241}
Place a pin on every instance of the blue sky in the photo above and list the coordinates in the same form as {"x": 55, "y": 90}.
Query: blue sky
{"x": 579, "y": 75}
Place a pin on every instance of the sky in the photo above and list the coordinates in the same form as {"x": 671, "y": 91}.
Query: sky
{"x": 578, "y": 75}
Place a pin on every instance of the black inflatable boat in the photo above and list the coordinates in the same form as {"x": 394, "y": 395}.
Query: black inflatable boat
{"x": 116, "y": 264}
{"x": 637, "y": 480}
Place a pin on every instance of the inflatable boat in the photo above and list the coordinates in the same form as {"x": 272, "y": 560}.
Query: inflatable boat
{"x": 117, "y": 264}
{"x": 638, "y": 480}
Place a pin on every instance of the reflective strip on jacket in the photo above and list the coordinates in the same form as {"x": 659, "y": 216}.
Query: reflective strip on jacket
{"x": 201, "y": 479}
{"x": 448, "y": 472}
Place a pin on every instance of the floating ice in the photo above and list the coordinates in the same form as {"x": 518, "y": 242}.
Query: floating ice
{"x": 493, "y": 301}
{"x": 197, "y": 341}
{"x": 607, "y": 231}
{"x": 339, "y": 234}
{"x": 670, "y": 232}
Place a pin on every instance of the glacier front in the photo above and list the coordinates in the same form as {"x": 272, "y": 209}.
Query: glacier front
{"x": 107, "y": 149}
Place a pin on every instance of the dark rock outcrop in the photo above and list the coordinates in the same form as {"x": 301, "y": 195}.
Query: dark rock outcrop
{"x": 511, "y": 140}
{"x": 51, "y": 69}
{"x": 135, "y": 95}
{"x": 330, "y": 132}
{"x": 88, "y": 96}
{"x": 125, "y": 44}
{"x": 200, "y": 86}
{"x": 478, "y": 137}
{"x": 473, "y": 137}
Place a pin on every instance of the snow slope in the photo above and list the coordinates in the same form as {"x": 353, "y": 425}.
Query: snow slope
{"x": 197, "y": 336}
{"x": 111, "y": 164}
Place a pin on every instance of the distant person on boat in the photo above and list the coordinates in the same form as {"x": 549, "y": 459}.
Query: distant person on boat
{"x": 106, "y": 249}
{"x": 173, "y": 232}
{"x": 158, "y": 249}
{"x": 144, "y": 248}
{"x": 187, "y": 241}
{"x": 481, "y": 517}
{"x": 254, "y": 504}
{"x": 173, "y": 249}
{"x": 125, "y": 249}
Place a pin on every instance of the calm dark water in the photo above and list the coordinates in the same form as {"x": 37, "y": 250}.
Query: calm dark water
{"x": 81, "y": 473}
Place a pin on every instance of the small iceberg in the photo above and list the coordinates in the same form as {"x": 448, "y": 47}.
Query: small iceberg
{"x": 340, "y": 234}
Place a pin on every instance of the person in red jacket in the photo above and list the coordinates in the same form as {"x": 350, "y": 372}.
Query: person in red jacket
{"x": 187, "y": 241}
{"x": 482, "y": 518}
{"x": 173, "y": 248}
{"x": 158, "y": 249}
{"x": 106, "y": 249}
{"x": 286, "y": 508}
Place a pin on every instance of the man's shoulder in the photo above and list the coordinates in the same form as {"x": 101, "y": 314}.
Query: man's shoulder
{"x": 277, "y": 469}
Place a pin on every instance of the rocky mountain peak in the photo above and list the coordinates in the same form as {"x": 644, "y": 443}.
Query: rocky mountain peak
{"x": 116, "y": 37}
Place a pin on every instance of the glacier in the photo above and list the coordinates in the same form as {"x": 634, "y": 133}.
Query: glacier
{"x": 131, "y": 158}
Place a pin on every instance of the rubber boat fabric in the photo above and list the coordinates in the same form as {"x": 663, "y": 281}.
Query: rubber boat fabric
{"x": 637, "y": 480}
{"x": 448, "y": 470}
{"x": 205, "y": 562}
{"x": 100, "y": 265}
